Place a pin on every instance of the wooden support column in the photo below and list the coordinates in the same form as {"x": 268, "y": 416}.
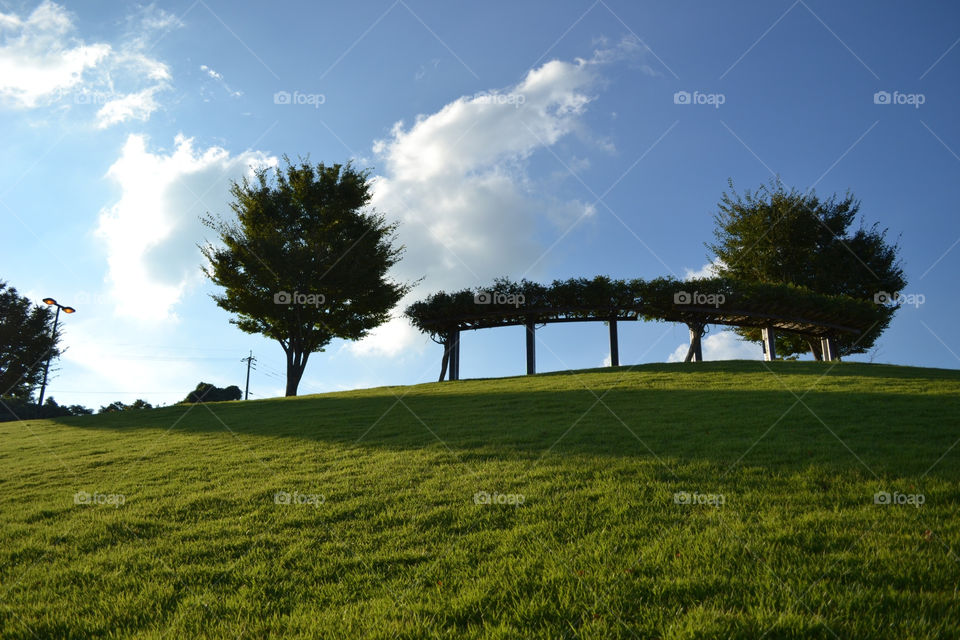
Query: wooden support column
{"x": 614, "y": 344}
{"x": 769, "y": 343}
{"x": 455, "y": 354}
{"x": 829, "y": 348}
{"x": 531, "y": 349}
{"x": 695, "y": 350}
{"x": 696, "y": 347}
{"x": 445, "y": 360}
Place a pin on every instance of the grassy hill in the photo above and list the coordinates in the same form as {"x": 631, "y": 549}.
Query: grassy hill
{"x": 732, "y": 500}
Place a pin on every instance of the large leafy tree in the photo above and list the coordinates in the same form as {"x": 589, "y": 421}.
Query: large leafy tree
{"x": 26, "y": 342}
{"x": 206, "y": 392}
{"x": 306, "y": 260}
{"x": 780, "y": 236}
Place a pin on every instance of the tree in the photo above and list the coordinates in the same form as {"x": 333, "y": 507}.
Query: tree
{"x": 305, "y": 261}
{"x": 26, "y": 341}
{"x": 12, "y": 408}
{"x": 206, "y": 392}
{"x": 788, "y": 237}
{"x": 79, "y": 410}
{"x": 120, "y": 406}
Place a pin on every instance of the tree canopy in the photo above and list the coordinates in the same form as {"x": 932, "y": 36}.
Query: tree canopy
{"x": 119, "y": 405}
{"x": 206, "y": 392}
{"x": 694, "y": 302}
{"x": 712, "y": 300}
{"x": 305, "y": 260}
{"x": 26, "y": 409}
{"x": 26, "y": 342}
{"x": 778, "y": 236}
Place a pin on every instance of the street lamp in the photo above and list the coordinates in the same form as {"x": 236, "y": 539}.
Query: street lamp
{"x": 53, "y": 337}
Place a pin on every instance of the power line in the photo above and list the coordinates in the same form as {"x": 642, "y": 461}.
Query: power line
{"x": 168, "y": 358}
{"x": 271, "y": 369}
{"x": 121, "y": 392}
{"x": 160, "y": 346}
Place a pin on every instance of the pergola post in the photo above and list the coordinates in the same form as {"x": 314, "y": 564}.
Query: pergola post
{"x": 531, "y": 348}
{"x": 769, "y": 343}
{"x": 829, "y": 348}
{"x": 614, "y": 344}
{"x": 445, "y": 359}
{"x": 455, "y": 354}
{"x": 695, "y": 351}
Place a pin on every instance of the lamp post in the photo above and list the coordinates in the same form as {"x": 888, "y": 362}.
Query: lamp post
{"x": 53, "y": 338}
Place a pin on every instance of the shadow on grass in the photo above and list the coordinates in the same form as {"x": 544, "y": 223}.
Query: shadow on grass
{"x": 872, "y": 432}
{"x": 781, "y": 368}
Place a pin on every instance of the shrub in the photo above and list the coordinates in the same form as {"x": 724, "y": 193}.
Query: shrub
{"x": 120, "y": 406}
{"x": 206, "y": 392}
{"x": 14, "y": 408}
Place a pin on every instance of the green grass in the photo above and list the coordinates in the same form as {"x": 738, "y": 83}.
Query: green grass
{"x": 599, "y": 548}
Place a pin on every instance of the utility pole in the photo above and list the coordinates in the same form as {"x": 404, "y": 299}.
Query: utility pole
{"x": 249, "y": 360}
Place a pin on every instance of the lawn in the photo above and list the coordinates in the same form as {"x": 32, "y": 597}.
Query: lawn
{"x": 705, "y": 500}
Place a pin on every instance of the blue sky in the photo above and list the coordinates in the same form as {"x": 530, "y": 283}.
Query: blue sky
{"x": 539, "y": 139}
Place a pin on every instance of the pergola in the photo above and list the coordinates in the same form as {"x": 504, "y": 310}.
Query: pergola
{"x": 696, "y": 318}
{"x": 770, "y": 307}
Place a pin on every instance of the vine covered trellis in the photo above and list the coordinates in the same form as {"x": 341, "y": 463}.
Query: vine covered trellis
{"x": 696, "y": 303}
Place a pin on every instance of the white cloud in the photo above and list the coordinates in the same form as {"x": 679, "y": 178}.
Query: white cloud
{"x": 210, "y": 72}
{"x": 153, "y": 19}
{"x": 133, "y": 106}
{"x": 478, "y": 132}
{"x": 389, "y": 339}
{"x": 218, "y": 78}
{"x": 42, "y": 60}
{"x": 724, "y": 345}
{"x": 456, "y": 181}
{"x": 151, "y": 233}
{"x": 114, "y": 356}
{"x": 708, "y": 270}
{"x": 628, "y": 48}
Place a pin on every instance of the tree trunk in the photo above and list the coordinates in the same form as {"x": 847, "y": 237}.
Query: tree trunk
{"x": 695, "y": 350}
{"x": 296, "y": 364}
{"x": 815, "y": 349}
{"x": 446, "y": 358}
